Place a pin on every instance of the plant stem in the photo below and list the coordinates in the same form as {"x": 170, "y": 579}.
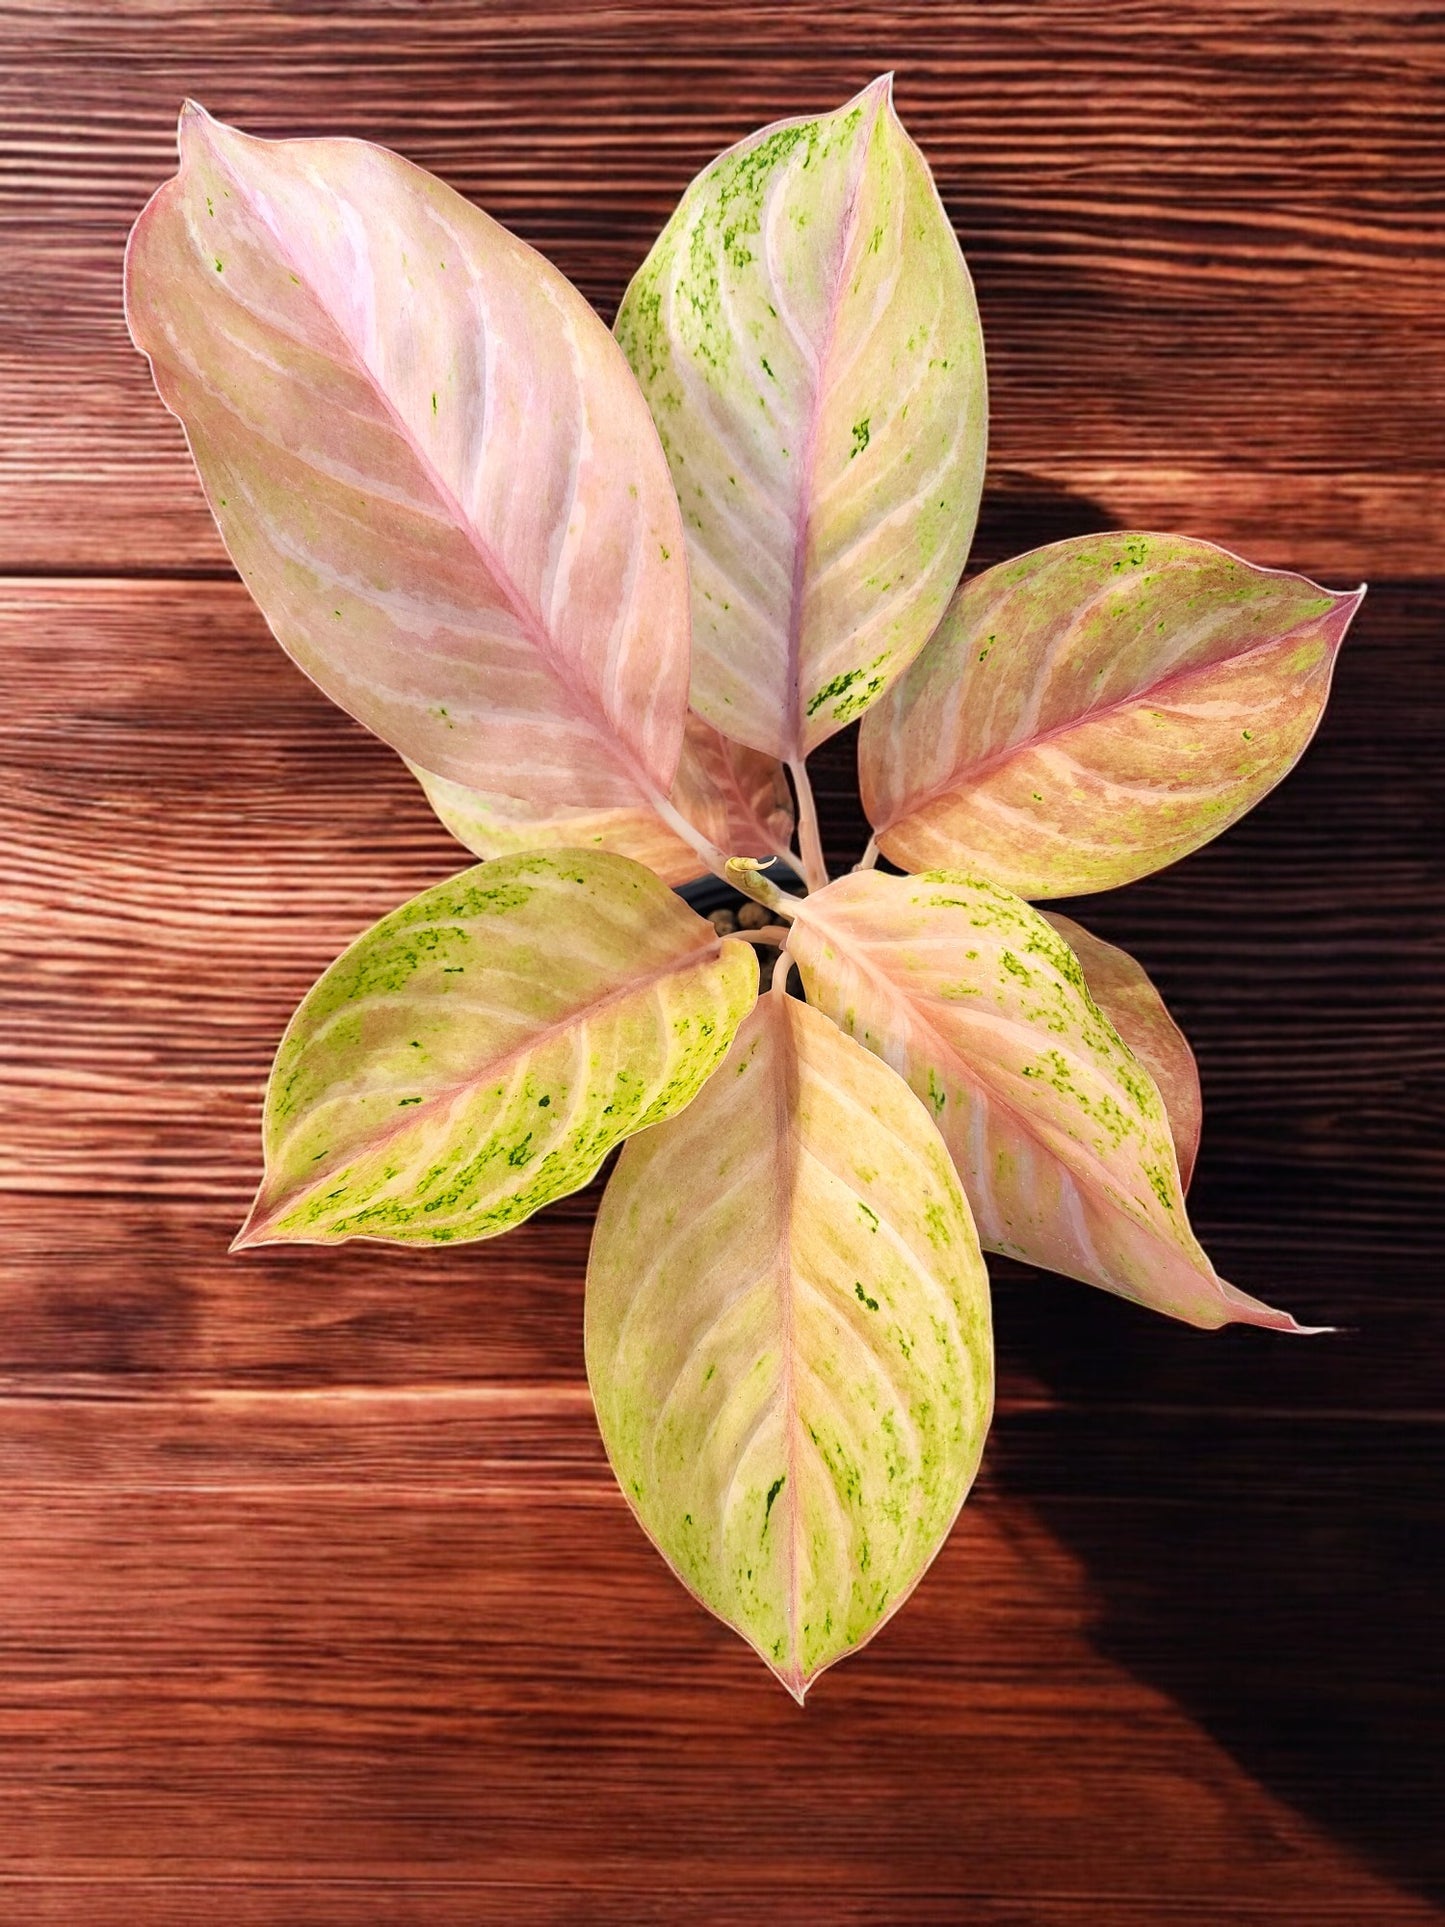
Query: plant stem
{"x": 715, "y": 859}
{"x": 869, "y": 856}
{"x": 810, "y": 843}
{"x": 742, "y": 872}
{"x": 782, "y": 966}
{"x": 775, "y": 933}
{"x": 745, "y": 873}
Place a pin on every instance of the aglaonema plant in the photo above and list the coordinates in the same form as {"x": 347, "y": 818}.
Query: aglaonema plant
{"x": 605, "y": 593}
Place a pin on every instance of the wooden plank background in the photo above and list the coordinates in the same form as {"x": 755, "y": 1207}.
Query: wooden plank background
{"x": 318, "y": 1603}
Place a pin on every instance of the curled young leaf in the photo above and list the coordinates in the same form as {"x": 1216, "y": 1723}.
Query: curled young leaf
{"x": 736, "y": 797}
{"x": 478, "y": 1053}
{"x": 1125, "y": 992}
{"x": 806, "y": 333}
{"x": 1057, "y": 1129}
{"x": 1097, "y": 709}
{"x": 428, "y": 459}
{"x": 788, "y": 1340}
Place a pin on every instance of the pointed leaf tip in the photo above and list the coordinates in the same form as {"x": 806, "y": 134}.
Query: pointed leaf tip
{"x": 1094, "y": 710}
{"x": 194, "y": 124}
{"x": 1251, "y": 1311}
{"x": 257, "y": 1227}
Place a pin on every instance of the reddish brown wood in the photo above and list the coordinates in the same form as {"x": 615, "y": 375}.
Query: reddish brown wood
{"x": 319, "y": 1604}
{"x": 421, "y": 1657}
{"x": 1206, "y": 239}
{"x": 193, "y": 849}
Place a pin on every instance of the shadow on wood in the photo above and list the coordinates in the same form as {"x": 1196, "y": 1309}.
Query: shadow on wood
{"x": 1268, "y": 1560}
{"x": 1276, "y": 1578}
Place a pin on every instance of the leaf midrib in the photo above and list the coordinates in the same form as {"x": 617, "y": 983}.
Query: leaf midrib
{"x": 971, "y": 1075}
{"x": 786, "y": 1112}
{"x": 967, "y": 776}
{"x": 574, "y": 697}
{"x": 535, "y": 1040}
{"x": 803, "y": 509}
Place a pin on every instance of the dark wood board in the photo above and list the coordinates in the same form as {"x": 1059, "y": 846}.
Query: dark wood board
{"x": 319, "y": 1604}
{"x": 1205, "y": 238}
{"x": 421, "y": 1639}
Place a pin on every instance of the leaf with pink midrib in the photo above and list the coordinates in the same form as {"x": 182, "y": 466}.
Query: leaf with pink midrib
{"x": 1058, "y": 1130}
{"x": 1097, "y": 709}
{"x": 428, "y": 459}
{"x": 806, "y": 334}
{"x": 788, "y": 1340}
{"x": 478, "y": 1052}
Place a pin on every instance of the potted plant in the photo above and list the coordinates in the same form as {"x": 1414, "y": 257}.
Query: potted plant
{"x": 606, "y": 593}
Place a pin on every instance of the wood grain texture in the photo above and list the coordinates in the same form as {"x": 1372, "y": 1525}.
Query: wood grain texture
{"x": 1206, "y": 241}
{"x": 198, "y": 848}
{"x": 318, "y": 1596}
{"x": 262, "y": 1646}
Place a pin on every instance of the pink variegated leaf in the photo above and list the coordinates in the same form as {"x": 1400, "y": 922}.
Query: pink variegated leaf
{"x": 1125, "y": 992}
{"x": 428, "y": 459}
{"x": 1058, "y": 1131}
{"x": 1097, "y": 709}
{"x": 806, "y": 333}
{"x": 788, "y": 1340}
{"x": 736, "y": 797}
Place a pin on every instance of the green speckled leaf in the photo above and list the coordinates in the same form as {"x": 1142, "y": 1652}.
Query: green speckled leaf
{"x": 806, "y": 334}
{"x": 1058, "y": 1131}
{"x": 479, "y": 1052}
{"x": 1097, "y": 709}
{"x": 736, "y": 797}
{"x": 1124, "y": 991}
{"x": 788, "y": 1340}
